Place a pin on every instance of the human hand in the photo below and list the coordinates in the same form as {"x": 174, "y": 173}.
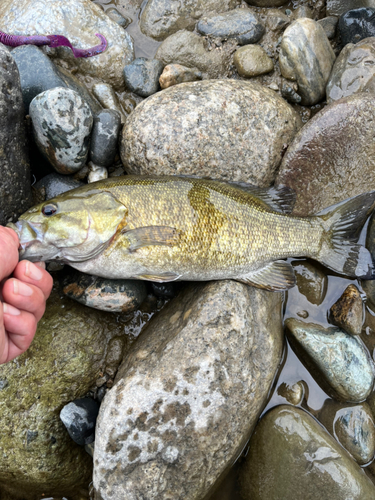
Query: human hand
{"x": 23, "y": 297}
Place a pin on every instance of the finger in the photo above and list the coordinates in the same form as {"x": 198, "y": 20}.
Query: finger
{"x": 25, "y": 297}
{"x": 20, "y": 327}
{"x": 3, "y": 338}
{"x": 34, "y": 275}
{"x": 8, "y": 250}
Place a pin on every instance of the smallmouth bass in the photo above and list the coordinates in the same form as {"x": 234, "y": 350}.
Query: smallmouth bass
{"x": 179, "y": 228}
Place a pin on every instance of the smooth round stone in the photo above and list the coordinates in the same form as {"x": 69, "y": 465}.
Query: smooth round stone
{"x": 241, "y": 24}
{"x": 252, "y": 60}
{"x": 307, "y": 57}
{"x": 96, "y": 173}
{"x": 292, "y": 457}
{"x": 357, "y": 24}
{"x": 55, "y": 184}
{"x": 347, "y": 312}
{"x": 173, "y": 74}
{"x": 318, "y": 165}
{"x": 188, "y": 396}
{"x": 352, "y": 426}
{"x": 294, "y": 394}
{"x": 353, "y": 71}
{"x": 311, "y": 281}
{"x": 340, "y": 361}
{"x": 142, "y": 76}
{"x": 62, "y": 123}
{"x": 338, "y": 7}
{"x": 108, "y": 98}
{"x": 105, "y": 294}
{"x": 329, "y": 24}
{"x": 115, "y": 15}
{"x": 181, "y": 131}
{"x": 104, "y": 137}
{"x": 79, "y": 418}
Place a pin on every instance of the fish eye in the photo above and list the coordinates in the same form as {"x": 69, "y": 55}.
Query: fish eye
{"x": 49, "y": 209}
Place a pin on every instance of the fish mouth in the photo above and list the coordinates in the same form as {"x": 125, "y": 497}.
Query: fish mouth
{"x": 27, "y": 233}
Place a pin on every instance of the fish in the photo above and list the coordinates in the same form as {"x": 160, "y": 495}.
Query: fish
{"x": 170, "y": 228}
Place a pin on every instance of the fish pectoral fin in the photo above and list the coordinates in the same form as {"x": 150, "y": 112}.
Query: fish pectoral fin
{"x": 151, "y": 235}
{"x": 159, "y": 278}
{"x": 276, "y": 276}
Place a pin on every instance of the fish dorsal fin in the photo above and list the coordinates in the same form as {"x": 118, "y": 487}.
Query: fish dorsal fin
{"x": 276, "y": 276}
{"x": 151, "y": 235}
{"x": 280, "y": 199}
{"x": 159, "y": 278}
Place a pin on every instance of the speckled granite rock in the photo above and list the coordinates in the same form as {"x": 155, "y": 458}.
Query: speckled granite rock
{"x": 173, "y": 74}
{"x": 292, "y": 457}
{"x": 241, "y": 24}
{"x": 347, "y": 311}
{"x": 67, "y": 355}
{"x": 78, "y": 20}
{"x": 307, "y": 57}
{"x": 319, "y": 163}
{"x": 357, "y": 24}
{"x": 338, "y": 7}
{"x": 104, "y": 137}
{"x": 15, "y": 193}
{"x": 187, "y": 397}
{"x": 252, "y": 60}
{"x": 353, "y": 70}
{"x": 161, "y": 18}
{"x": 229, "y": 130}
{"x": 62, "y": 123}
{"x": 142, "y": 76}
{"x": 340, "y": 362}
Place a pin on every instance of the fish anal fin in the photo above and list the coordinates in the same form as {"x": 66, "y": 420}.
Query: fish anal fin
{"x": 276, "y": 277}
{"x": 151, "y": 235}
{"x": 159, "y": 278}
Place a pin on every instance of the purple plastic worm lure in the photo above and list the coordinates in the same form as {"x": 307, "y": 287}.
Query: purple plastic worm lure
{"x": 53, "y": 41}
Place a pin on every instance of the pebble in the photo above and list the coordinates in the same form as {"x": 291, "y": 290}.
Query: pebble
{"x": 340, "y": 361}
{"x": 142, "y": 76}
{"x": 188, "y": 396}
{"x": 347, "y": 312}
{"x": 105, "y": 294}
{"x": 118, "y": 18}
{"x": 276, "y": 20}
{"x": 241, "y": 24}
{"x": 357, "y": 24}
{"x": 96, "y": 173}
{"x": 104, "y": 137}
{"x": 352, "y": 426}
{"x": 294, "y": 394}
{"x": 79, "y": 418}
{"x": 55, "y": 184}
{"x": 252, "y": 60}
{"x": 108, "y": 99}
{"x": 329, "y": 24}
{"x": 353, "y": 71}
{"x": 181, "y": 131}
{"x": 292, "y": 457}
{"x": 302, "y": 11}
{"x": 15, "y": 191}
{"x": 338, "y": 7}
{"x": 318, "y": 165}
{"x": 307, "y": 57}
{"x": 173, "y": 74}
{"x": 311, "y": 281}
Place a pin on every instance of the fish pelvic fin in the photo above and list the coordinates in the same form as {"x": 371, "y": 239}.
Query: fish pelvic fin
{"x": 275, "y": 277}
{"x": 342, "y": 225}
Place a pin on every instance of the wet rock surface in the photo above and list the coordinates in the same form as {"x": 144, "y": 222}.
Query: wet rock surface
{"x": 187, "y": 397}
{"x": 181, "y": 130}
{"x": 142, "y": 76}
{"x": 252, "y": 60}
{"x": 357, "y": 24}
{"x": 311, "y": 281}
{"x": 62, "y": 123}
{"x": 347, "y": 312}
{"x": 307, "y": 57}
{"x": 339, "y": 360}
{"x": 104, "y": 137}
{"x": 323, "y": 468}
{"x": 318, "y": 164}
{"x": 338, "y": 7}
{"x": 79, "y": 418}
{"x": 173, "y": 74}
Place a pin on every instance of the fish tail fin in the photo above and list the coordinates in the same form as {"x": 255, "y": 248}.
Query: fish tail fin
{"x": 342, "y": 225}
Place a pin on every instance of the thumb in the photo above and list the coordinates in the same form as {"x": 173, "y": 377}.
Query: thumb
{"x": 9, "y": 243}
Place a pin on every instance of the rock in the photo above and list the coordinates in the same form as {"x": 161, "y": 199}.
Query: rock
{"x": 294, "y": 394}
{"x": 181, "y": 129}
{"x": 266, "y": 3}
{"x": 38, "y": 458}
{"x": 142, "y": 76}
{"x": 352, "y": 426}
{"x": 307, "y": 57}
{"x": 338, "y": 7}
{"x": 78, "y": 20}
{"x": 252, "y": 60}
{"x": 357, "y": 24}
{"x": 303, "y": 11}
{"x": 55, "y": 184}
{"x": 340, "y": 361}
{"x": 79, "y": 418}
{"x": 104, "y": 137}
{"x": 347, "y": 312}
{"x": 329, "y": 24}
{"x": 118, "y": 18}
{"x": 164, "y": 290}
{"x": 368, "y": 286}
{"x": 15, "y": 192}
{"x": 241, "y": 24}
{"x": 187, "y": 398}
{"x": 108, "y": 99}
{"x": 318, "y": 164}
{"x": 173, "y": 74}
{"x": 311, "y": 281}
{"x": 353, "y": 71}
{"x": 189, "y": 49}
{"x": 291, "y": 456}
{"x": 96, "y": 173}
{"x": 62, "y": 123}
{"x": 161, "y": 18}
{"x": 276, "y": 20}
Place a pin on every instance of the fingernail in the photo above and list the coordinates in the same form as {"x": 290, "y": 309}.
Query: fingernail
{"x": 42, "y": 265}
{"x": 20, "y": 288}
{"x": 7, "y": 309}
{"x": 32, "y": 271}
